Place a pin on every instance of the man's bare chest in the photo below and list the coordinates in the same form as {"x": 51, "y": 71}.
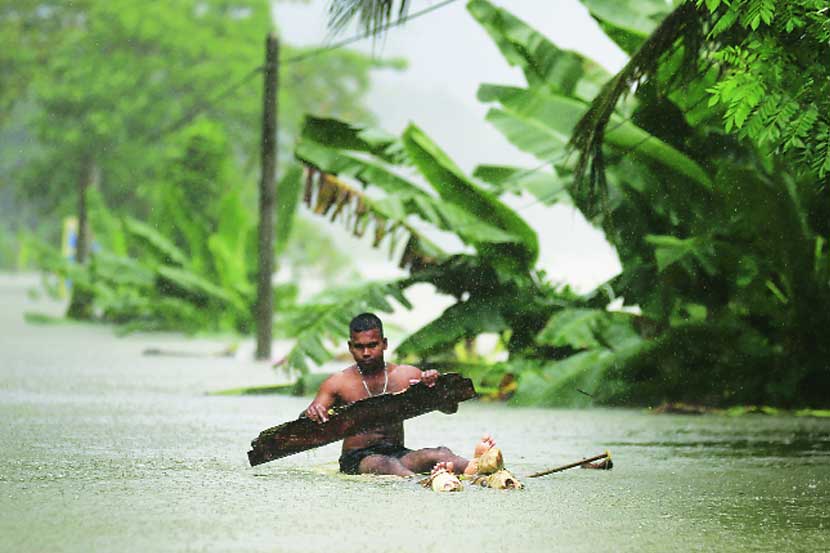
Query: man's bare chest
{"x": 357, "y": 389}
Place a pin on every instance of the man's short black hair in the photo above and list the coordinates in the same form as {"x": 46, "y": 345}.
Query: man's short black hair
{"x": 366, "y": 321}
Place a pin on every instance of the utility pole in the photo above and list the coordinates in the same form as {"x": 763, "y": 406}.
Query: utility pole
{"x": 267, "y": 195}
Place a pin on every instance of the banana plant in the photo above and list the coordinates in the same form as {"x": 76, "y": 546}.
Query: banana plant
{"x": 721, "y": 248}
{"x": 388, "y": 186}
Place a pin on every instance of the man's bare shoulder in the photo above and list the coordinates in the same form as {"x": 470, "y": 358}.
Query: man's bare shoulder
{"x": 341, "y": 378}
{"x": 404, "y": 370}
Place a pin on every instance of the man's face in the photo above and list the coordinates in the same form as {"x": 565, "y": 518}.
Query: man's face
{"x": 367, "y": 349}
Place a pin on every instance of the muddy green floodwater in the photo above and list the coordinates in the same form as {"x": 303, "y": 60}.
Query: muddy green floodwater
{"x": 105, "y": 449}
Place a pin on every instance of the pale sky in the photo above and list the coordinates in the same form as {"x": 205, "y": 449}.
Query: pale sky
{"x": 449, "y": 56}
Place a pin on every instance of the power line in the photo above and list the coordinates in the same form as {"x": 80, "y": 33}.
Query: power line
{"x": 193, "y": 113}
{"x": 356, "y": 38}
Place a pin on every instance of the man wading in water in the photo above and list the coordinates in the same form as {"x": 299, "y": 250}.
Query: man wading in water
{"x": 381, "y": 450}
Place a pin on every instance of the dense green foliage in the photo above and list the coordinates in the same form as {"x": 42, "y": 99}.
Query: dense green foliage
{"x": 190, "y": 265}
{"x": 774, "y": 87}
{"x": 747, "y": 256}
{"x": 707, "y": 177}
{"x": 156, "y": 107}
{"x": 721, "y": 234}
{"x": 109, "y": 85}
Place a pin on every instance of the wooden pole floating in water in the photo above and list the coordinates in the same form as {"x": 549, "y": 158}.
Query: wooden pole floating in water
{"x": 304, "y": 434}
{"x": 605, "y": 455}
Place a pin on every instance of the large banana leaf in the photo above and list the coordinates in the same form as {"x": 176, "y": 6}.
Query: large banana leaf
{"x": 528, "y": 116}
{"x": 451, "y": 184}
{"x": 346, "y": 156}
{"x": 229, "y": 245}
{"x": 340, "y": 135}
{"x": 465, "y": 319}
{"x": 583, "y": 328}
{"x": 628, "y": 22}
{"x": 404, "y": 198}
{"x": 348, "y": 163}
{"x": 543, "y": 63}
{"x": 549, "y": 188}
{"x": 566, "y": 382}
{"x": 358, "y": 212}
{"x": 576, "y": 328}
{"x": 194, "y": 285}
{"x": 160, "y": 245}
{"x": 107, "y": 228}
{"x": 689, "y": 252}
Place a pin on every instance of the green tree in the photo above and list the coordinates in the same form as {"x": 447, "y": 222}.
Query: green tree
{"x": 104, "y": 86}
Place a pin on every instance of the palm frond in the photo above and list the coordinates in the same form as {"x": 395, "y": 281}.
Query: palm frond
{"x": 682, "y": 27}
{"x": 372, "y": 15}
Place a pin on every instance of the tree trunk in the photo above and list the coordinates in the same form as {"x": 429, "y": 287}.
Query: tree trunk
{"x": 80, "y": 306}
{"x": 267, "y": 192}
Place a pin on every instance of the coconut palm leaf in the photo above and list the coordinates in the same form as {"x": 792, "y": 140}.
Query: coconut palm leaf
{"x": 682, "y": 27}
{"x": 372, "y": 15}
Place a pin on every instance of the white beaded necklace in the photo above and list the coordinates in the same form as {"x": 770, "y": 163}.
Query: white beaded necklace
{"x": 385, "y": 380}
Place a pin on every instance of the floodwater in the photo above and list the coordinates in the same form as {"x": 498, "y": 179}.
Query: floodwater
{"x": 105, "y": 449}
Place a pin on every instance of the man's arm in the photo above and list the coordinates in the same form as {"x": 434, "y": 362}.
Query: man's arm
{"x": 318, "y": 410}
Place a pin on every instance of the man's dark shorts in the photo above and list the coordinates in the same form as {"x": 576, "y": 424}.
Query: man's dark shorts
{"x": 350, "y": 461}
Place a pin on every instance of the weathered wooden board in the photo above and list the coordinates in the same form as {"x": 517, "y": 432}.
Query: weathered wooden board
{"x": 304, "y": 434}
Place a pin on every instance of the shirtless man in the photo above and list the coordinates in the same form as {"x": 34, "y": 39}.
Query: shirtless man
{"x": 381, "y": 450}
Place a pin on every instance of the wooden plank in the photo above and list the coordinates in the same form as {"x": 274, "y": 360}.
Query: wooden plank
{"x": 347, "y": 420}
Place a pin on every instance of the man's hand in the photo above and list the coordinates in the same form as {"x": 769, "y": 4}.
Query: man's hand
{"x": 429, "y": 378}
{"x": 317, "y": 412}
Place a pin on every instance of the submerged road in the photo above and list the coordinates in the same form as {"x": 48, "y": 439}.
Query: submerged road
{"x": 105, "y": 449}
